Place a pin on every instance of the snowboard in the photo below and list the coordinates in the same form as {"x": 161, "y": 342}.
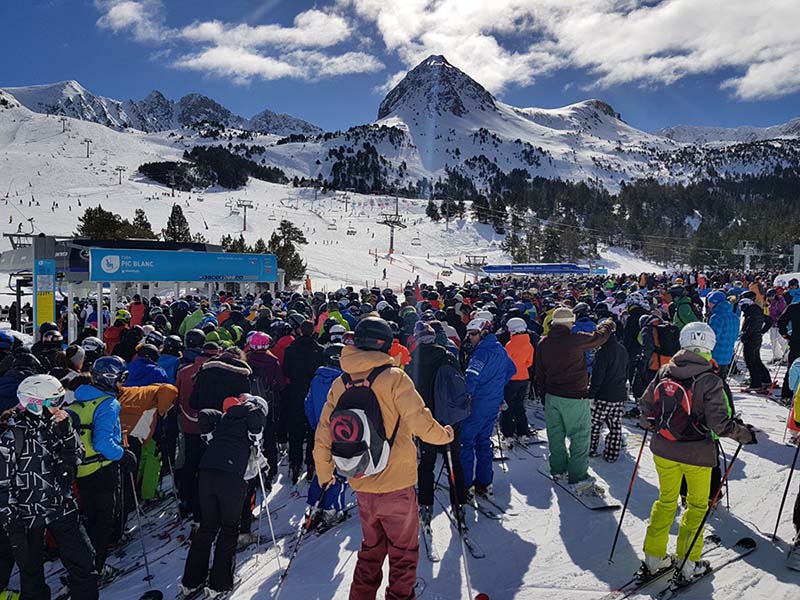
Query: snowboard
{"x": 591, "y": 502}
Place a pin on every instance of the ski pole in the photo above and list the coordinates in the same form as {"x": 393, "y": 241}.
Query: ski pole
{"x": 733, "y": 360}
{"x": 459, "y": 524}
{"x": 785, "y": 492}
{"x": 725, "y": 466}
{"x": 141, "y": 531}
{"x": 777, "y": 370}
{"x": 265, "y": 502}
{"x": 304, "y": 528}
{"x": 711, "y": 505}
{"x": 503, "y": 465}
{"x": 174, "y": 484}
{"x": 627, "y": 497}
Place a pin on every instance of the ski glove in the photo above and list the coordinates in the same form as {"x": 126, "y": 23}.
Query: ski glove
{"x": 753, "y": 433}
{"x": 128, "y": 462}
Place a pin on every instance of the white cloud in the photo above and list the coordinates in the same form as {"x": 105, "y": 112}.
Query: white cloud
{"x": 143, "y": 18}
{"x": 505, "y": 42}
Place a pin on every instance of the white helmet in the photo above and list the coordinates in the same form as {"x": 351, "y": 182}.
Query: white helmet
{"x": 38, "y": 391}
{"x": 516, "y": 325}
{"x": 382, "y": 305}
{"x": 477, "y": 324}
{"x": 338, "y": 330}
{"x": 698, "y": 337}
{"x": 484, "y": 315}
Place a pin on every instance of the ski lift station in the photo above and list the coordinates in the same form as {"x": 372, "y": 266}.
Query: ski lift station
{"x": 79, "y": 267}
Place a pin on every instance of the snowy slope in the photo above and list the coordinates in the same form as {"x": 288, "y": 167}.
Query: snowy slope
{"x": 703, "y": 135}
{"x": 39, "y": 163}
{"x": 547, "y": 546}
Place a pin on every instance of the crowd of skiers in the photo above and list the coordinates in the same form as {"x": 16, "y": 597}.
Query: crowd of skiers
{"x": 366, "y": 388}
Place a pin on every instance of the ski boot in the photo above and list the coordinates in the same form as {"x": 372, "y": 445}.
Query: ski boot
{"x": 793, "y": 560}
{"x": 487, "y": 491}
{"x": 107, "y": 575}
{"x": 691, "y": 570}
{"x": 425, "y": 514}
{"x": 187, "y": 592}
{"x": 652, "y": 566}
{"x": 295, "y": 474}
{"x": 587, "y": 487}
{"x": 469, "y": 496}
{"x": 246, "y": 539}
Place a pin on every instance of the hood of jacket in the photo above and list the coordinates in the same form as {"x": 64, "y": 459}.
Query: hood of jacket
{"x": 722, "y": 307}
{"x": 229, "y": 363}
{"x": 358, "y": 363}
{"x": 687, "y": 364}
{"x": 86, "y": 393}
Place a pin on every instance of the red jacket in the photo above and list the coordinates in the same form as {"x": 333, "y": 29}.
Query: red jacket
{"x": 137, "y": 312}
{"x": 280, "y": 348}
{"x": 185, "y": 383}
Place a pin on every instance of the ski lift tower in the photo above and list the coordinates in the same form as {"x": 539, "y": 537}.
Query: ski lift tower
{"x": 748, "y": 250}
{"x": 393, "y": 220}
{"x": 475, "y": 263}
{"x": 244, "y": 204}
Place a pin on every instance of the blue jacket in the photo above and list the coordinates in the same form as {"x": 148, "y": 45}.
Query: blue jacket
{"x": 106, "y": 429}
{"x": 318, "y": 392}
{"x": 143, "y": 371}
{"x": 725, "y": 323}
{"x": 488, "y": 371}
{"x": 169, "y": 363}
{"x": 586, "y": 325}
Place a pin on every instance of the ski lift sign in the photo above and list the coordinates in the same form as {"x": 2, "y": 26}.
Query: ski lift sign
{"x": 106, "y": 264}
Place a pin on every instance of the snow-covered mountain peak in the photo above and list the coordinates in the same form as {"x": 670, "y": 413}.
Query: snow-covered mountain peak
{"x": 268, "y": 121}
{"x": 436, "y": 86}
{"x": 694, "y": 134}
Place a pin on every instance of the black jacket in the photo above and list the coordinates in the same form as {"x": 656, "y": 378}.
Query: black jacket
{"x": 755, "y": 323}
{"x": 300, "y": 362}
{"x": 38, "y": 462}
{"x": 610, "y": 372}
{"x": 218, "y": 378}
{"x": 426, "y": 360}
{"x": 631, "y": 330}
{"x": 229, "y": 448}
{"x": 790, "y": 316}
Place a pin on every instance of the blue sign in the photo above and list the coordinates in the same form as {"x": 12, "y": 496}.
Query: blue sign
{"x": 108, "y": 264}
{"x": 538, "y": 269}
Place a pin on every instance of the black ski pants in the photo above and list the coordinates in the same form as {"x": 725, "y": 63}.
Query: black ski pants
{"x": 187, "y": 490}
{"x": 759, "y": 375}
{"x": 796, "y": 516}
{"x": 99, "y": 498}
{"x": 76, "y": 555}
{"x": 271, "y": 447}
{"x": 427, "y": 466}
{"x": 300, "y": 432}
{"x": 221, "y": 498}
{"x": 513, "y": 419}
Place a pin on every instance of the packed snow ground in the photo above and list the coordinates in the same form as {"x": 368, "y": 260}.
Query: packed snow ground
{"x": 548, "y": 545}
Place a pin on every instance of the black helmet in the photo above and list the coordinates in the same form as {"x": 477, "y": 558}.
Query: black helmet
{"x": 107, "y": 371}
{"x": 154, "y": 338}
{"x": 332, "y": 354}
{"x": 148, "y": 351}
{"x": 195, "y": 338}
{"x": 172, "y": 345}
{"x": 279, "y": 329}
{"x": 748, "y": 295}
{"x": 47, "y": 326}
{"x": 295, "y": 320}
{"x": 135, "y": 333}
{"x": 373, "y": 333}
{"x": 581, "y": 309}
{"x": 677, "y": 291}
{"x": 601, "y": 310}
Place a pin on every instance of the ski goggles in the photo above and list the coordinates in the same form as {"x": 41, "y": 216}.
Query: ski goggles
{"x": 37, "y": 405}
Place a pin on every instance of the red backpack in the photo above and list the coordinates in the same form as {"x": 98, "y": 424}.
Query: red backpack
{"x": 674, "y": 413}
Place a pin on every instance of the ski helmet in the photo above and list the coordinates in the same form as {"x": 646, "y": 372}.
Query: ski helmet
{"x": 122, "y": 315}
{"x": 93, "y": 344}
{"x": 716, "y": 297}
{"x": 107, "y": 371}
{"x": 332, "y": 354}
{"x": 148, "y": 351}
{"x": 195, "y": 338}
{"x": 47, "y": 326}
{"x": 260, "y": 341}
{"x": 52, "y": 338}
{"x": 337, "y": 331}
{"x": 39, "y": 391}
{"x": 677, "y": 291}
{"x": 172, "y": 345}
{"x": 516, "y": 325}
{"x": 7, "y": 341}
{"x": 373, "y": 333}
{"x": 698, "y": 337}
{"x": 154, "y": 338}
{"x": 581, "y": 310}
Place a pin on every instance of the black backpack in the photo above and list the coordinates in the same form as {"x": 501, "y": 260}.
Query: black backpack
{"x": 259, "y": 386}
{"x": 668, "y": 338}
{"x": 359, "y": 444}
{"x": 452, "y": 402}
{"x": 673, "y": 403}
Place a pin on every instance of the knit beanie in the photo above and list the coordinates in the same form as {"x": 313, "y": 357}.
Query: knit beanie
{"x": 424, "y": 333}
{"x": 563, "y": 316}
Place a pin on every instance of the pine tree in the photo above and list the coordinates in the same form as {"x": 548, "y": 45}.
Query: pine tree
{"x": 282, "y": 245}
{"x": 226, "y": 242}
{"x": 239, "y": 245}
{"x": 260, "y": 247}
{"x": 99, "y": 224}
{"x": 199, "y": 238}
{"x": 177, "y": 226}
{"x": 141, "y": 227}
{"x": 551, "y": 246}
{"x": 432, "y": 211}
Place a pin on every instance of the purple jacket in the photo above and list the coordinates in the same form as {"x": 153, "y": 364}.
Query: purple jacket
{"x": 776, "y": 308}
{"x": 265, "y": 365}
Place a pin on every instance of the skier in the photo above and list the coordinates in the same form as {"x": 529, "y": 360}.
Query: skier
{"x": 230, "y": 434}
{"x": 683, "y": 446}
{"x": 334, "y": 502}
{"x": 387, "y": 503}
{"x": 488, "y": 371}
{"x": 514, "y": 421}
{"x": 144, "y": 369}
{"x": 40, "y": 452}
{"x": 776, "y": 306}
{"x": 563, "y": 380}
{"x": 608, "y": 393}
{"x": 725, "y": 324}
{"x": 70, "y": 372}
{"x": 789, "y": 328}
{"x": 681, "y": 310}
{"x": 754, "y": 326}
{"x": 302, "y": 359}
{"x": 97, "y": 409}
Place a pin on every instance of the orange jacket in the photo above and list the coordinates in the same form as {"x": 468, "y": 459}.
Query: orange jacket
{"x": 399, "y": 353}
{"x": 139, "y": 405}
{"x": 520, "y": 350}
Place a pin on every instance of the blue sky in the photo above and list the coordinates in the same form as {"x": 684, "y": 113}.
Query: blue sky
{"x": 706, "y": 62}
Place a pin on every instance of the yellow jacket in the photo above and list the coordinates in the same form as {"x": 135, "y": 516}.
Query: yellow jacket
{"x": 398, "y": 399}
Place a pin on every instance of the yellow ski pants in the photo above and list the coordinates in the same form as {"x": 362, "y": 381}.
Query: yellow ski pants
{"x": 698, "y": 481}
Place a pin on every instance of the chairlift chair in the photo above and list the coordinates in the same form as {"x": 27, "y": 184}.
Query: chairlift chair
{"x": 332, "y": 227}
{"x": 351, "y": 230}
{"x": 415, "y": 241}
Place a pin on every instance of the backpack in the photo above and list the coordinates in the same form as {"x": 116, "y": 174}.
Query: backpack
{"x": 667, "y": 338}
{"x": 259, "y": 386}
{"x": 452, "y": 403}
{"x": 359, "y": 445}
{"x": 673, "y": 403}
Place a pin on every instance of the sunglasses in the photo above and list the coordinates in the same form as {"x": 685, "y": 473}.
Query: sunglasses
{"x": 472, "y": 333}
